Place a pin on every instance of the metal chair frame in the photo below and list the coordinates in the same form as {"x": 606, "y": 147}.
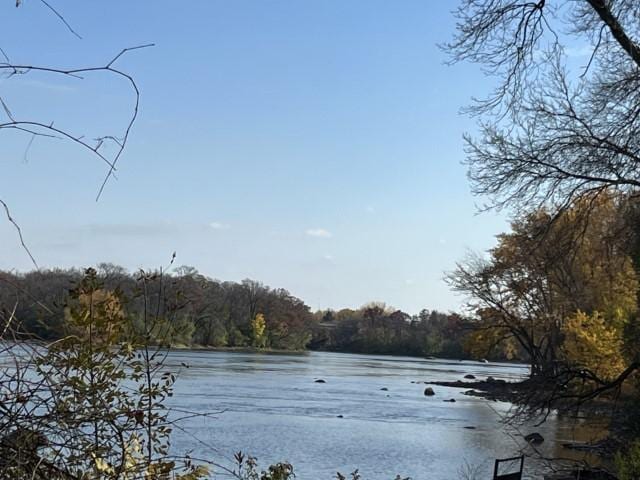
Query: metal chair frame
{"x": 508, "y": 476}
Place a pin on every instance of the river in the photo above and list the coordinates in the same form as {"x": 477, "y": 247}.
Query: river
{"x": 272, "y": 408}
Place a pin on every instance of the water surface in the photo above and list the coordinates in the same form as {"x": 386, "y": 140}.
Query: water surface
{"x": 273, "y": 409}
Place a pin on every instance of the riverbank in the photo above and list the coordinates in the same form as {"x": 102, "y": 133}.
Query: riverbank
{"x": 207, "y": 348}
{"x": 518, "y": 393}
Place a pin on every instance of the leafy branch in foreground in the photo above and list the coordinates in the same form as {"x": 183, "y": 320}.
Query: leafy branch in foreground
{"x": 91, "y": 404}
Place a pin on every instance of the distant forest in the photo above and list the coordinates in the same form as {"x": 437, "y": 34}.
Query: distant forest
{"x": 192, "y": 310}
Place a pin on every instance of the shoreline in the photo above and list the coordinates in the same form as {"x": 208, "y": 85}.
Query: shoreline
{"x": 207, "y": 348}
{"x": 195, "y": 347}
{"x": 604, "y": 448}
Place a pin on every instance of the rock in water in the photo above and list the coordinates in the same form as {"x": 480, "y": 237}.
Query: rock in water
{"x": 384, "y": 389}
{"x": 470, "y": 377}
{"x": 320, "y": 381}
{"x": 429, "y": 392}
{"x": 534, "y": 438}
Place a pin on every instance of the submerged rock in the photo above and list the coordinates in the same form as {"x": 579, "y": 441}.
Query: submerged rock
{"x": 384, "y": 389}
{"x": 534, "y": 438}
{"x": 320, "y": 381}
{"x": 451, "y": 400}
{"x": 470, "y": 377}
{"x": 496, "y": 381}
{"x": 429, "y": 392}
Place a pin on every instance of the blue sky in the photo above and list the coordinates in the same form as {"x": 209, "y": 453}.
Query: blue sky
{"x": 314, "y": 146}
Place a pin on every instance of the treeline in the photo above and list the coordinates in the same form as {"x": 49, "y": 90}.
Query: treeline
{"x": 190, "y": 309}
{"x": 186, "y": 307}
{"x": 377, "y": 329}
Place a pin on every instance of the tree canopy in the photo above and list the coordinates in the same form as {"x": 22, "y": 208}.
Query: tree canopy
{"x": 552, "y": 132}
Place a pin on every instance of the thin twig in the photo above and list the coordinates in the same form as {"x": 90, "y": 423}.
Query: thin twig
{"x": 19, "y": 230}
{"x": 62, "y": 19}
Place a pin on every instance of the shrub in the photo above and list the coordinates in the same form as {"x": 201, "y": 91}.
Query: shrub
{"x": 628, "y": 463}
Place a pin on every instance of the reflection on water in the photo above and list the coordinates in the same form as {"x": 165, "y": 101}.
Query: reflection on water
{"x": 273, "y": 409}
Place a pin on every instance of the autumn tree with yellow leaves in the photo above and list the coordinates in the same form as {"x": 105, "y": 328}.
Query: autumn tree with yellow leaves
{"x": 258, "y": 331}
{"x": 592, "y": 342}
{"x": 556, "y": 278}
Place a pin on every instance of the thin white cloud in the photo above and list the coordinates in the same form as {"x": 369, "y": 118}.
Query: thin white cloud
{"x": 55, "y": 87}
{"x": 328, "y": 257}
{"x": 219, "y": 226}
{"x": 318, "y": 232}
{"x": 129, "y": 229}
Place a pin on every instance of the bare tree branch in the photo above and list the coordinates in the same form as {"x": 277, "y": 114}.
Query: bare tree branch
{"x": 17, "y": 227}
{"x": 62, "y": 19}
